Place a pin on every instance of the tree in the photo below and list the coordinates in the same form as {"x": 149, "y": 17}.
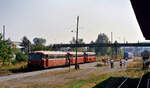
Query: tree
{"x": 102, "y": 38}
{"x": 5, "y": 51}
{"x": 39, "y": 41}
{"x": 91, "y": 49}
{"x": 21, "y": 57}
{"x": 9, "y": 42}
{"x": 73, "y": 41}
{"x": 80, "y": 41}
{"x": 26, "y": 44}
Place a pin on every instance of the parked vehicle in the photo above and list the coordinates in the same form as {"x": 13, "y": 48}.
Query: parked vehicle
{"x": 128, "y": 55}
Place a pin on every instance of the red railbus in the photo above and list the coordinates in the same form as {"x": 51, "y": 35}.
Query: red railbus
{"x": 46, "y": 59}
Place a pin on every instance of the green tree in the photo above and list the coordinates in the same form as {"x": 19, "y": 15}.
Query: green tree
{"x": 26, "y": 44}
{"x": 91, "y": 49}
{"x": 102, "y": 38}
{"x": 39, "y": 41}
{"x": 21, "y": 57}
{"x": 73, "y": 41}
{"x": 80, "y": 41}
{"x": 5, "y": 51}
{"x": 9, "y": 42}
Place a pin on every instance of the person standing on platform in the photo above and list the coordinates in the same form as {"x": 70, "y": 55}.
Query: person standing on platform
{"x": 125, "y": 63}
{"x": 111, "y": 63}
{"x": 120, "y": 63}
{"x": 145, "y": 56}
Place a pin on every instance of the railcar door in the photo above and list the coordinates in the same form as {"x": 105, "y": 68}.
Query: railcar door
{"x": 85, "y": 57}
{"x": 46, "y": 57}
{"x": 35, "y": 59}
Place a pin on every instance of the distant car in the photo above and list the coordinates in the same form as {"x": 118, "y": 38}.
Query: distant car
{"x": 128, "y": 55}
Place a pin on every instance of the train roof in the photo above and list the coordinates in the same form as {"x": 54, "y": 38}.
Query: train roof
{"x": 62, "y": 53}
{"x": 73, "y": 53}
{"x": 91, "y": 53}
{"x": 51, "y": 52}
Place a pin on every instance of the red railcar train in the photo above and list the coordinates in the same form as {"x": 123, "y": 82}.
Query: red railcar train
{"x": 46, "y": 59}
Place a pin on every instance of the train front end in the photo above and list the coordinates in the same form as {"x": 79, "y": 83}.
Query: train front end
{"x": 36, "y": 60}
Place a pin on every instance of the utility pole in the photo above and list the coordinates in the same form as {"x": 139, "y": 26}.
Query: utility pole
{"x": 4, "y": 32}
{"x": 111, "y": 37}
{"x": 124, "y": 43}
{"x": 112, "y": 48}
{"x": 76, "y": 62}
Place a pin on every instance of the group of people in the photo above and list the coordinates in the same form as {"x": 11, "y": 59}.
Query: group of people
{"x": 122, "y": 62}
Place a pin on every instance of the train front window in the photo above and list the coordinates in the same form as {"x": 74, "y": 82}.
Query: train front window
{"x": 35, "y": 56}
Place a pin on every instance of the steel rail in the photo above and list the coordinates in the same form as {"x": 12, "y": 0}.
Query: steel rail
{"x": 148, "y": 83}
{"x": 122, "y": 83}
{"x": 140, "y": 80}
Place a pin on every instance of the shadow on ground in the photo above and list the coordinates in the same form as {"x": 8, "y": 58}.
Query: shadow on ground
{"x": 114, "y": 82}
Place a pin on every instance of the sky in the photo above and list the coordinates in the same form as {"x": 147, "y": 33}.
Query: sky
{"x": 55, "y": 19}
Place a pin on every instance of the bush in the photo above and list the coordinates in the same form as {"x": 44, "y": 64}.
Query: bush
{"x": 14, "y": 62}
{"x": 21, "y": 57}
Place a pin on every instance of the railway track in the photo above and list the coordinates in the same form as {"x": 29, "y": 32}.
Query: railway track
{"x": 143, "y": 82}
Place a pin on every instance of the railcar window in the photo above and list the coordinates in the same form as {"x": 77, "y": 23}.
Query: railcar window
{"x": 36, "y": 56}
{"x": 77, "y": 56}
{"x": 91, "y": 55}
{"x": 60, "y": 56}
{"x": 80, "y": 55}
{"x": 51, "y": 57}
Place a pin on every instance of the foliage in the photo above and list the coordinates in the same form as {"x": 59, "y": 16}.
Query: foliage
{"x": 21, "y": 57}
{"x": 8, "y": 42}
{"x": 14, "y": 62}
{"x": 80, "y": 41}
{"x": 102, "y": 38}
{"x": 91, "y": 49}
{"x": 26, "y": 44}
{"x": 73, "y": 41}
{"x": 39, "y": 41}
{"x": 5, "y": 52}
{"x": 41, "y": 47}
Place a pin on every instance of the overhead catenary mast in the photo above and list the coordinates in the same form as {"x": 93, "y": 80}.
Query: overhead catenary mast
{"x": 76, "y": 61}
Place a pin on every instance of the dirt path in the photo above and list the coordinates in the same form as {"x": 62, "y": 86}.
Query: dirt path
{"x": 28, "y": 74}
{"x": 50, "y": 78}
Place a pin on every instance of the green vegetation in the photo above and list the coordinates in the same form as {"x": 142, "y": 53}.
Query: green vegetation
{"x": 80, "y": 41}
{"x": 21, "y": 57}
{"x": 101, "y": 81}
{"x": 6, "y": 53}
{"x": 102, "y": 38}
{"x": 9, "y": 69}
{"x": 26, "y": 44}
{"x": 39, "y": 41}
{"x": 14, "y": 59}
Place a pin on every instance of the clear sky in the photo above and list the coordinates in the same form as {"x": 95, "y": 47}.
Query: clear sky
{"x": 54, "y": 19}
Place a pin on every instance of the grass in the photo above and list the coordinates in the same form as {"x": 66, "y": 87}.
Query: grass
{"x": 133, "y": 71}
{"x": 135, "y": 64}
{"x": 8, "y": 69}
{"x": 101, "y": 79}
{"x": 91, "y": 81}
{"x": 96, "y": 79}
